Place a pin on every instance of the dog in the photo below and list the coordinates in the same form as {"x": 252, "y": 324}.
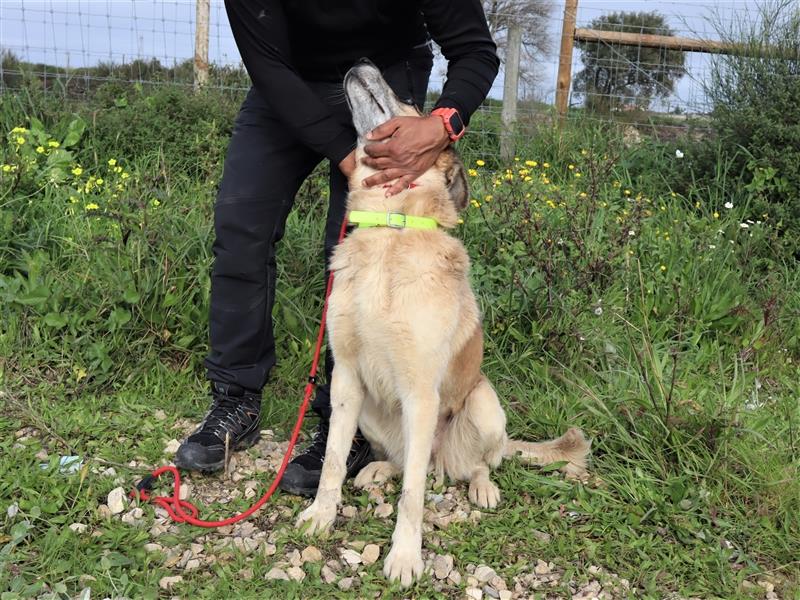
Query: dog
{"x": 407, "y": 339}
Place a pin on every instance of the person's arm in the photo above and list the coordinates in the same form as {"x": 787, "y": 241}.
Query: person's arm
{"x": 460, "y": 28}
{"x": 260, "y": 30}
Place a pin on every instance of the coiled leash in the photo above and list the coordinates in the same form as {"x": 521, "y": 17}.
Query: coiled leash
{"x": 182, "y": 511}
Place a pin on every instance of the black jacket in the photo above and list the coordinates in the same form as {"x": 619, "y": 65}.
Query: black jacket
{"x": 285, "y": 43}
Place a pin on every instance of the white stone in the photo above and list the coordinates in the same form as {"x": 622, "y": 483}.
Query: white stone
{"x": 370, "y": 554}
{"x": 296, "y": 573}
{"x": 345, "y": 583}
{"x": 384, "y": 510}
{"x": 349, "y": 511}
{"x": 327, "y": 574}
{"x": 311, "y": 554}
{"x": 351, "y": 557}
{"x": 276, "y": 573}
{"x": 541, "y": 568}
{"x": 172, "y": 446}
{"x": 166, "y": 583}
{"x": 474, "y": 593}
{"x": 442, "y": 565}
{"x": 78, "y": 527}
{"x": 484, "y": 573}
{"x": 116, "y": 500}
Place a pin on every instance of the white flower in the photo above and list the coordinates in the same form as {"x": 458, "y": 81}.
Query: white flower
{"x": 678, "y": 154}
{"x": 631, "y": 233}
{"x": 712, "y": 246}
{"x": 598, "y": 311}
{"x": 744, "y": 225}
{"x": 729, "y": 205}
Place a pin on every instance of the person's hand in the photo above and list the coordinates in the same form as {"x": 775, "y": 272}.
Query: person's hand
{"x": 348, "y": 164}
{"x": 412, "y": 146}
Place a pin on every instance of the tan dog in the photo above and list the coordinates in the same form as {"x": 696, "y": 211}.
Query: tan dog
{"x": 406, "y": 334}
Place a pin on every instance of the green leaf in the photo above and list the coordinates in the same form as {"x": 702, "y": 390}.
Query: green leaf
{"x": 118, "y": 317}
{"x": 55, "y": 320}
{"x": 74, "y": 132}
{"x": 34, "y": 297}
{"x": 131, "y": 296}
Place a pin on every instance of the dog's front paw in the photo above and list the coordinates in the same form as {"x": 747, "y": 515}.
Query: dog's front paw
{"x": 316, "y": 518}
{"x": 403, "y": 563}
{"x": 484, "y": 493}
{"x": 375, "y": 473}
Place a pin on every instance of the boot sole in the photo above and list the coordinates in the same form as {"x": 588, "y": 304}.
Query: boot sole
{"x": 193, "y": 464}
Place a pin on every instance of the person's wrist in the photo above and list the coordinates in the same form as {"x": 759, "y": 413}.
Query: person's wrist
{"x": 438, "y": 125}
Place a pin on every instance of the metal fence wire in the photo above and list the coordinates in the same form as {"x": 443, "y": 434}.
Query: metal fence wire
{"x": 73, "y": 47}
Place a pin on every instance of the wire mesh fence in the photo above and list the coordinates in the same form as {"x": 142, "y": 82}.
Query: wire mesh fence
{"x": 73, "y": 47}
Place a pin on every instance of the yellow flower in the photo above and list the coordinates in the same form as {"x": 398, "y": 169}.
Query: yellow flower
{"x": 461, "y": 221}
{"x": 99, "y": 181}
{"x": 155, "y": 202}
{"x": 583, "y": 195}
{"x": 91, "y": 206}
{"x": 480, "y": 163}
{"x": 571, "y": 167}
{"x": 53, "y": 144}
{"x": 80, "y": 373}
{"x": 73, "y": 199}
{"x": 472, "y": 173}
{"x": 716, "y": 215}
{"x": 19, "y": 130}
{"x": 627, "y": 192}
{"x": 528, "y": 178}
{"x": 663, "y": 267}
{"x": 112, "y": 162}
{"x": 488, "y": 198}
{"x": 20, "y": 140}
{"x": 584, "y": 152}
{"x": 40, "y": 149}
{"x": 6, "y": 168}
{"x": 546, "y": 165}
{"x": 125, "y": 175}
{"x": 531, "y": 163}
{"x": 117, "y": 169}
{"x": 697, "y": 204}
{"x": 77, "y": 171}
{"x": 578, "y": 175}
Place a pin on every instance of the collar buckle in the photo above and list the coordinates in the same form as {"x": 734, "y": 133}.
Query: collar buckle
{"x": 390, "y": 214}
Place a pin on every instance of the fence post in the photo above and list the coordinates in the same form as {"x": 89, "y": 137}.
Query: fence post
{"x": 565, "y": 58}
{"x": 508, "y": 115}
{"x": 201, "y": 43}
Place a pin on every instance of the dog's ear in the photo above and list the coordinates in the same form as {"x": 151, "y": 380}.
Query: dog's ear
{"x": 456, "y": 180}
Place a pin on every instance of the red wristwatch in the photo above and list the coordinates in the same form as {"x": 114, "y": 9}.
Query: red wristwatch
{"x": 452, "y": 122}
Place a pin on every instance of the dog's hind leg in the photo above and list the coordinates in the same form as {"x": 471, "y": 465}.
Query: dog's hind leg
{"x": 347, "y": 396}
{"x": 377, "y": 472}
{"x": 420, "y": 414}
{"x": 473, "y": 444}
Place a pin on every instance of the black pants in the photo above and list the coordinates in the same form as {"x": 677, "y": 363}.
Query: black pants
{"x": 264, "y": 167}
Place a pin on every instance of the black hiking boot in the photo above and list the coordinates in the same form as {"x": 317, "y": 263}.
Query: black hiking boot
{"x": 302, "y": 474}
{"x": 234, "y": 418}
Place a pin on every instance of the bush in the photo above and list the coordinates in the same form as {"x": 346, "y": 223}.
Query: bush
{"x": 756, "y": 98}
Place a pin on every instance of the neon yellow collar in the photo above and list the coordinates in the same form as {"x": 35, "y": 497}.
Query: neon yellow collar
{"x": 393, "y": 220}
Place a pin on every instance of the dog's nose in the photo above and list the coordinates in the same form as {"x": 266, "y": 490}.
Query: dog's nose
{"x": 364, "y": 61}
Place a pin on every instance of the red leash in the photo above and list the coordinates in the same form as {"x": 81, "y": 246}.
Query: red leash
{"x": 182, "y": 511}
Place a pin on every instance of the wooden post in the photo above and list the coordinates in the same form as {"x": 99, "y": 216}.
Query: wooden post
{"x": 565, "y": 58}
{"x": 203, "y": 8}
{"x": 508, "y": 115}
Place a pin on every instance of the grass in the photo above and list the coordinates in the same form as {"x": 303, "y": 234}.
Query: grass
{"x": 675, "y": 347}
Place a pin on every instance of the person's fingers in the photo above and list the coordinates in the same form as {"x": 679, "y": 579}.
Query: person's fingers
{"x": 384, "y": 130}
{"x": 379, "y": 149}
{"x": 402, "y": 183}
{"x": 378, "y": 163}
{"x": 384, "y": 176}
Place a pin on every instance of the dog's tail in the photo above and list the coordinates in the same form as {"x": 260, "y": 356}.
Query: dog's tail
{"x": 572, "y": 448}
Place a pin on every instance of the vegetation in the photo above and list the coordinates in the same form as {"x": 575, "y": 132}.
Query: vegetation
{"x": 616, "y": 76}
{"x": 624, "y": 290}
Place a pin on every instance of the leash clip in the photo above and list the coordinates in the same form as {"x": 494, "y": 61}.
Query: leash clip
{"x": 142, "y": 490}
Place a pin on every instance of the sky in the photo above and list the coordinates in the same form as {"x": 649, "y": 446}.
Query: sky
{"x": 85, "y": 32}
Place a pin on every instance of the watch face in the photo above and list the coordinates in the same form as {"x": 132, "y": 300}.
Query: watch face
{"x": 456, "y": 123}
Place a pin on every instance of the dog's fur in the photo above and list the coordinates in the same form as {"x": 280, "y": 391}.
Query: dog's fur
{"x": 406, "y": 334}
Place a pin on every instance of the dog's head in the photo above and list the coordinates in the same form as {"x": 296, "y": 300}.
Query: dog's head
{"x": 372, "y": 102}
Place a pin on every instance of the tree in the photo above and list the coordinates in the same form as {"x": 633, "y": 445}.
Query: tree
{"x": 532, "y": 16}
{"x": 616, "y": 76}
